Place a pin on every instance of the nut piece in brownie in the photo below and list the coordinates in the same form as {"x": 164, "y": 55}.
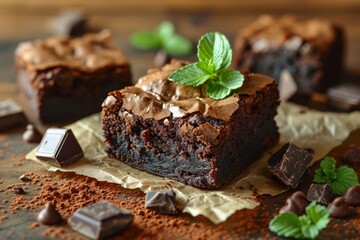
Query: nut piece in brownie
{"x": 177, "y": 131}
{"x": 309, "y": 51}
{"x": 65, "y": 78}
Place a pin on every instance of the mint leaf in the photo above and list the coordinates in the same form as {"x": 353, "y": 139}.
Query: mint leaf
{"x": 145, "y": 40}
{"x": 227, "y": 53}
{"x": 189, "y": 75}
{"x": 211, "y": 51}
{"x": 216, "y": 90}
{"x": 177, "y": 45}
{"x": 287, "y": 225}
{"x": 306, "y": 226}
{"x": 231, "y": 79}
{"x": 339, "y": 179}
{"x": 164, "y": 37}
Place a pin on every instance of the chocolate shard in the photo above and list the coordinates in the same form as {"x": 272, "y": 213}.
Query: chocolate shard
{"x": 345, "y": 97}
{"x": 289, "y": 164}
{"x": 352, "y": 196}
{"x": 161, "y": 201}
{"x": 100, "y": 220}
{"x": 70, "y": 22}
{"x": 11, "y": 114}
{"x": 290, "y": 206}
{"x": 320, "y": 193}
{"x": 339, "y": 208}
{"x": 59, "y": 147}
{"x": 31, "y": 135}
{"x": 49, "y": 215}
{"x": 352, "y": 155}
{"x": 161, "y": 58}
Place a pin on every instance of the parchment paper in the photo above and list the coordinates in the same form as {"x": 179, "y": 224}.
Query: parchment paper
{"x": 306, "y": 128}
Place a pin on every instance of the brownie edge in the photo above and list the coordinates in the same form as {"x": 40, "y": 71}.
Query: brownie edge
{"x": 176, "y": 131}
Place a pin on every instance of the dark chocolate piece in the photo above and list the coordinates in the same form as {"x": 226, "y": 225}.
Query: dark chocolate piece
{"x": 352, "y": 196}
{"x": 70, "y": 22}
{"x": 18, "y": 190}
{"x": 345, "y": 97}
{"x": 352, "y": 155}
{"x": 320, "y": 193}
{"x": 289, "y": 164}
{"x": 49, "y": 215}
{"x": 10, "y": 114}
{"x": 31, "y": 135}
{"x": 161, "y": 201}
{"x": 100, "y": 220}
{"x": 59, "y": 147}
{"x": 339, "y": 208}
{"x": 25, "y": 178}
{"x": 161, "y": 58}
{"x": 300, "y": 200}
{"x": 291, "y": 206}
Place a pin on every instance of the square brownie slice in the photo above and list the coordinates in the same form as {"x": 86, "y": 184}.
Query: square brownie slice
{"x": 310, "y": 52}
{"x": 178, "y": 132}
{"x": 64, "y": 78}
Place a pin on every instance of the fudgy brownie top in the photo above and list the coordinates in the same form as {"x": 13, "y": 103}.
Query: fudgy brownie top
{"x": 287, "y": 30}
{"x": 154, "y": 96}
{"x": 88, "y": 53}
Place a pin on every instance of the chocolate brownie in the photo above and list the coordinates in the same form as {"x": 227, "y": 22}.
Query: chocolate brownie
{"x": 310, "y": 51}
{"x": 64, "y": 78}
{"x": 177, "y": 131}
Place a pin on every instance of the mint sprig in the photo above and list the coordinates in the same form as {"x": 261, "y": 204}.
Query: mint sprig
{"x": 164, "y": 37}
{"x": 300, "y": 227}
{"x": 339, "y": 179}
{"x": 214, "y": 54}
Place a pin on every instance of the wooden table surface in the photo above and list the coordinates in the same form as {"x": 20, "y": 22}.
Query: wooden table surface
{"x": 25, "y": 21}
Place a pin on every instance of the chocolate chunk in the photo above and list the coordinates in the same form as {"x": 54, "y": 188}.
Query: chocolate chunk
{"x": 320, "y": 193}
{"x": 161, "y": 201}
{"x": 352, "y": 196}
{"x": 10, "y": 114}
{"x": 49, "y": 215}
{"x": 339, "y": 208}
{"x": 289, "y": 164}
{"x": 24, "y": 178}
{"x": 70, "y": 23}
{"x": 31, "y": 135}
{"x": 59, "y": 147}
{"x": 345, "y": 97}
{"x": 291, "y": 206}
{"x": 100, "y": 220}
{"x": 300, "y": 200}
{"x": 18, "y": 190}
{"x": 352, "y": 155}
{"x": 161, "y": 58}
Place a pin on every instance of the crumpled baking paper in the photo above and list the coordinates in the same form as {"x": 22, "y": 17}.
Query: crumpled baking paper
{"x": 320, "y": 131}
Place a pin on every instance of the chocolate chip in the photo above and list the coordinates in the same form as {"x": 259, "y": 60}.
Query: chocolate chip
{"x": 18, "y": 190}
{"x": 289, "y": 164}
{"x": 31, "y": 135}
{"x": 339, "y": 208}
{"x": 352, "y": 155}
{"x": 100, "y": 220}
{"x": 70, "y": 22}
{"x": 352, "y": 196}
{"x": 49, "y": 215}
{"x": 320, "y": 193}
{"x": 161, "y": 201}
{"x": 59, "y": 147}
{"x": 291, "y": 206}
{"x": 25, "y": 178}
{"x": 11, "y": 114}
{"x": 300, "y": 200}
{"x": 161, "y": 58}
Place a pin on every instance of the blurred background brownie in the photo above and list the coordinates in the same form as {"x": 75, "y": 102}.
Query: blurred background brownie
{"x": 309, "y": 52}
{"x": 177, "y": 131}
{"x": 65, "y": 78}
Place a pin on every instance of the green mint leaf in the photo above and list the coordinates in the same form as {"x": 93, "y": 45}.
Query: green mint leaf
{"x": 177, "y": 45}
{"x": 165, "y": 30}
{"x": 232, "y": 79}
{"x": 210, "y": 50}
{"x": 145, "y": 40}
{"x": 287, "y": 225}
{"x": 205, "y": 67}
{"x": 309, "y": 231}
{"x": 216, "y": 90}
{"x": 189, "y": 75}
{"x": 339, "y": 179}
{"x": 227, "y": 53}
{"x": 345, "y": 178}
{"x": 318, "y": 215}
